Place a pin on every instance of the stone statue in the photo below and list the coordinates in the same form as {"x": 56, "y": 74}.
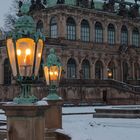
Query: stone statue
{"x": 109, "y": 6}
{"x": 134, "y": 10}
{"x": 122, "y": 9}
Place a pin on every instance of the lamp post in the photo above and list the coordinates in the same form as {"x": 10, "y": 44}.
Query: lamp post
{"x": 24, "y": 48}
{"x": 52, "y": 71}
{"x": 110, "y": 73}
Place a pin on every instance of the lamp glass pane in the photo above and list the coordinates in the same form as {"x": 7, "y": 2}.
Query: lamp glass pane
{"x": 11, "y": 54}
{"x": 54, "y": 74}
{"x": 25, "y": 49}
{"x": 60, "y": 71}
{"x": 46, "y": 72}
{"x": 38, "y": 56}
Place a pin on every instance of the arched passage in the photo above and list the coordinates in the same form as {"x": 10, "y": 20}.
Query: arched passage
{"x": 98, "y": 70}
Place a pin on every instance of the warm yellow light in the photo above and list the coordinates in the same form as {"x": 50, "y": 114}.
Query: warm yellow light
{"x": 39, "y": 55}
{"x": 110, "y": 74}
{"x": 18, "y": 52}
{"x": 28, "y": 51}
{"x": 56, "y": 73}
{"x": 51, "y": 73}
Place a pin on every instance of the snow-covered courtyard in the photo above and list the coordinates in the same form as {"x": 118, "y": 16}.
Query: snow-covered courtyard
{"x": 85, "y": 127}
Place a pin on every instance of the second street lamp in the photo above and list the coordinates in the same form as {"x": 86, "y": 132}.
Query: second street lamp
{"x": 24, "y": 47}
{"x": 52, "y": 71}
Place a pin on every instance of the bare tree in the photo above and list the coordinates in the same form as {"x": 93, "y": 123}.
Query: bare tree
{"x": 11, "y": 16}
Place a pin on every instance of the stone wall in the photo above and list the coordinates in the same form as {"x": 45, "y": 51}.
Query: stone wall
{"x": 83, "y": 91}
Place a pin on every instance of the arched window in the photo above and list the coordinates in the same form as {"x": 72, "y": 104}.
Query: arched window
{"x": 111, "y": 34}
{"x": 39, "y": 26}
{"x": 135, "y": 37}
{"x": 53, "y": 28}
{"x": 85, "y": 30}
{"x": 71, "y": 68}
{"x": 98, "y": 32}
{"x": 111, "y": 70}
{"x": 7, "y": 72}
{"x": 124, "y": 35}
{"x": 86, "y": 69}
{"x": 71, "y": 29}
{"x": 125, "y": 71}
{"x": 98, "y": 70}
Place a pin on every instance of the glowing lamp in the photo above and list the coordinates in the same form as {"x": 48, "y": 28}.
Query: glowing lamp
{"x": 52, "y": 71}
{"x": 110, "y": 74}
{"x": 24, "y": 48}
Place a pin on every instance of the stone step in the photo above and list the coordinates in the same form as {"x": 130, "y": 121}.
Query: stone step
{"x": 117, "y": 113}
{"x": 50, "y": 138}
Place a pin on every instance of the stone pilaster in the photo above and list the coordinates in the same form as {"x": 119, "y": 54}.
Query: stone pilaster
{"x": 62, "y": 28}
{"x": 25, "y": 122}
{"x": 78, "y": 30}
{"x": 53, "y": 115}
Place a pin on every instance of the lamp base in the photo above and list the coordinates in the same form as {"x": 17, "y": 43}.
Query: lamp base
{"x": 23, "y": 100}
{"x": 52, "y": 97}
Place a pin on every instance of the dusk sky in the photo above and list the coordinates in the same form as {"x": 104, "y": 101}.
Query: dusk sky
{"x": 4, "y": 8}
{"x": 6, "y": 4}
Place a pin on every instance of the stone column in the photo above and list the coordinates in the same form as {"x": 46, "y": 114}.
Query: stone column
{"x": 132, "y": 73}
{"x": 25, "y": 122}
{"x": 92, "y": 71}
{"x": 2, "y": 73}
{"x": 53, "y": 115}
{"x": 118, "y": 33}
{"x": 78, "y": 30}
{"x": 129, "y": 36}
{"x": 47, "y": 26}
{"x": 91, "y": 31}
{"x": 105, "y": 76}
{"x": 105, "y": 34}
{"x": 62, "y": 28}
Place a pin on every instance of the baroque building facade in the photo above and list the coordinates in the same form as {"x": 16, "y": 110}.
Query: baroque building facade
{"x": 98, "y": 46}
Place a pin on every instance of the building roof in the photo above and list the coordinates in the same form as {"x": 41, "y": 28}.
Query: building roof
{"x": 125, "y": 8}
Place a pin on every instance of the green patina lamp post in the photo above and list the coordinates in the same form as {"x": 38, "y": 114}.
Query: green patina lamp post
{"x": 52, "y": 71}
{"x": 24, "y": 47}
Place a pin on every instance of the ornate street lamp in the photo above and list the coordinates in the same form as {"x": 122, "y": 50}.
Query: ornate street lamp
{"x": 24, "y": 47}
{"x": 52, "y": 71}
{"x": 110, "y": 73}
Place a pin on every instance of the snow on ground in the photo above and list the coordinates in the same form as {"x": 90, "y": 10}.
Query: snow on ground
{"x": 2, "y": 115}
{"x": 85, "y": 127}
